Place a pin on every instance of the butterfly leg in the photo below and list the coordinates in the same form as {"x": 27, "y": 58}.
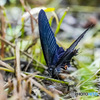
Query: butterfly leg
{"x": 76, "y": 52}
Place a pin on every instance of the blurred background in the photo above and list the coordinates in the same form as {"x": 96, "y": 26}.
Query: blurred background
{"x": 68, "y": 19}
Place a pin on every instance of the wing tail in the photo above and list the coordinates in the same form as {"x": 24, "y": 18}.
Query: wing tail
{"x": 78, "y": 39}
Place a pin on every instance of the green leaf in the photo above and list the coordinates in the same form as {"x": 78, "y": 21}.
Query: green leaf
{"x": 61, "y": 20}
{"x": 50, "y": 20}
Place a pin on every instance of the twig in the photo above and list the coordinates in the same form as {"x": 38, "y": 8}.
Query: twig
{"x": 31, "y": 17}
{"x": 28, "y": 65}
{"x": 39, "y": 85}
{"x": 18, "y": 71}
{"x": 5, "y": 69}
{"x": 3, "y": 34}
{"x": 22, "y": 2}
{"x": 37, "y": 76}
{"x": 13, "y": 46}
{"x": 41, "y": 77}
{"x": 25, "y": 78}
{"x": 3, "y": 95}
{"x": 6, "y": 65}
{"x": 28, "y": 76}
{"x": 33, "y": 43}
{"x": 42, "y": 88}
{"x": 52, "y": 79}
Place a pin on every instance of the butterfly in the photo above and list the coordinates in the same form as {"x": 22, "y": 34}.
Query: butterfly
{"x": 55, "y": 56}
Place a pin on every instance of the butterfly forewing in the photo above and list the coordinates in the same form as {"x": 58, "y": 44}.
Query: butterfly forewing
{"x": 47, "y": 38}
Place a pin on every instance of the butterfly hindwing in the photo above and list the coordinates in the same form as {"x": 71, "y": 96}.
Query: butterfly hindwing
{"x": 69, "y": 53}
{"x": 77, "y": 40}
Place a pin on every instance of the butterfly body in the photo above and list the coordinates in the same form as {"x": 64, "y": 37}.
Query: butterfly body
{"x": 55, "y": 56}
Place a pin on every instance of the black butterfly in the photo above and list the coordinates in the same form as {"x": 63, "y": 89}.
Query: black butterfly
{"x": 55, "y": 56}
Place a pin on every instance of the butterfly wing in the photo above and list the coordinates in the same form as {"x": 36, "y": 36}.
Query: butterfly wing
{"x": 47, "y": 39}
{"x": 72, "y": 47}
{"x": 69, "y": 53}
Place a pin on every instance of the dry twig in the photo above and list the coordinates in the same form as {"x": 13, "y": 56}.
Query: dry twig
{"x": 12, "y": 45}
